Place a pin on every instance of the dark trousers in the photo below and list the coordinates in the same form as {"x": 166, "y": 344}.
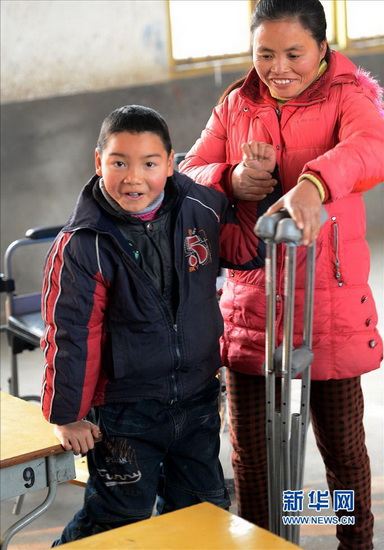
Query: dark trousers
{"x": 149, "y": 448}
{"x": 336, "y": 408}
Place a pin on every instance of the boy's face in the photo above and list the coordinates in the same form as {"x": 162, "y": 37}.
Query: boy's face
{"x": 134, "y": 168}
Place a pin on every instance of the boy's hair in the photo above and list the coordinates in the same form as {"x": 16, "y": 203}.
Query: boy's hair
{"x": 134, "y": 119}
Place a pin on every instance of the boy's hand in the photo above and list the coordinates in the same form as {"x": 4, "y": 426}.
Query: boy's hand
{"x": 78, "y": 437}
{"x": 252, "y": 179}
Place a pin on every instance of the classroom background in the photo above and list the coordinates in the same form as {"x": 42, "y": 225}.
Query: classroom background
{"x": 64, "y": 66}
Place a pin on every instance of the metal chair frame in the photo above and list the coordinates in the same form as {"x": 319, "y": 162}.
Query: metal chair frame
{"x": 24, "y": 325}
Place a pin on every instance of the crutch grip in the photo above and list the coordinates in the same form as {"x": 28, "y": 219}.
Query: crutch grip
{"x": 302, "y": 358}
{"x": 265, "y": 227}
{"x": 287, "y": 232}
{"x": 280, "y": 227}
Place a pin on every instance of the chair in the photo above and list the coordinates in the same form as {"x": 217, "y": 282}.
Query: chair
{"x": 24, "y": 324}
{"x": 178, "y": 158}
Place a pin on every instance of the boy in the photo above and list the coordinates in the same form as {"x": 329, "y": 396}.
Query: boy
{"x": 133, "y": 327}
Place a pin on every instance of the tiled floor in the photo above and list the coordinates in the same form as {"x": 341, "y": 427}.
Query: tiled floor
{"x": 40, "y": 534}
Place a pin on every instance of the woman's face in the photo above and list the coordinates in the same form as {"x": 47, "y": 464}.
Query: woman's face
{"x": 286, "y": 56}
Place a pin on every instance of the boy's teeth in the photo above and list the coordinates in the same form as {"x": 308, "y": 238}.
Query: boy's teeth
{"x": 282, "y": 81}
{"x": 134, "y": 194}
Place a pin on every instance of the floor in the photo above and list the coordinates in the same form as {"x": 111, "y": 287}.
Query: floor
{"x": 40, "y": 534}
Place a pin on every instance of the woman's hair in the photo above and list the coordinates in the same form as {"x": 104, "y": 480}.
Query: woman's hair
{"x": 310, "y": 14}
{"x": 134, "y": 119}
{"x": 232, "y": 86}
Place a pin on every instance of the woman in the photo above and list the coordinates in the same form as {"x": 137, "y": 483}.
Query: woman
{"x": 321, "y": 119}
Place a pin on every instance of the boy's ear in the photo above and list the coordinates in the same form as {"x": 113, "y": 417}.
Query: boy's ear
{"x": 98, "y": 163}
{"x": 171, "y": 160}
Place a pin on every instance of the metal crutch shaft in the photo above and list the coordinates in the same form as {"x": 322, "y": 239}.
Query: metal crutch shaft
{"x": 266, "y": 231}
{"x": 286, "y": 432}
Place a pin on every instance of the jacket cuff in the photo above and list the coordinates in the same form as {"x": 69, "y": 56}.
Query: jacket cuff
{"x": 226, "y": 182}
{"x": 318, "y": 182}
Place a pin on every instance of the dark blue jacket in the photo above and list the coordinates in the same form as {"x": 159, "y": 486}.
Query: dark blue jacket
{"x": 110, "y": 334}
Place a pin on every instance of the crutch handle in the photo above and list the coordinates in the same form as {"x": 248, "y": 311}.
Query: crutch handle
{"x": 280, "y": 227}
{"x": 287, "y": 232}
{"x": 302, "y": 357}
{"x": 265, "y": 227}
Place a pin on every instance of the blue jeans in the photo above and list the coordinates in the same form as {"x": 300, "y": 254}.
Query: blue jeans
{"x": 151, "y": 448}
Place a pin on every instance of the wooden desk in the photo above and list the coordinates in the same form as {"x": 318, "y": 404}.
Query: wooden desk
{"x": 200, "y": 527}
{"x": 31, "y": 457}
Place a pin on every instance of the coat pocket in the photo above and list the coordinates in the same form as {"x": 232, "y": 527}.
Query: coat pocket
{"x": 116, "y": 355}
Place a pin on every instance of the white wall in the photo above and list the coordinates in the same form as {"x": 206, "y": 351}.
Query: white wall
{"x": 57, "y": 47}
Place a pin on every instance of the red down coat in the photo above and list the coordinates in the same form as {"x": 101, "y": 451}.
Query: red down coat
{"x": 333, "y": 130}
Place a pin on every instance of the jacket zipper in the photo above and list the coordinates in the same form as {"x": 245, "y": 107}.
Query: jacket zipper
{"x": 178, "y": 354}
{"x": 175, "y": 392}
{"x": 337, "y": 258}
{"x": 174, "y": 326}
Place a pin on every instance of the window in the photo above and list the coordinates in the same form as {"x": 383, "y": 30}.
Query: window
{"x": 204, "y": 32}
{"x": 353, "y": 25}
{"x": 365, "y": 20}
{"x": 329, "y": 15}
{"x": 211, "y": 34}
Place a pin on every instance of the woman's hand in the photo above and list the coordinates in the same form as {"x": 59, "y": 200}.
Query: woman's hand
{"x": 79, "y": 437}
{"x": 303, "y": 203}
{"x": 252, "y": 179}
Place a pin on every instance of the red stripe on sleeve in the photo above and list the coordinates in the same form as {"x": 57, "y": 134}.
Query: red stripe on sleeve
{"x": 94, "y": 345}
{"x": 50, "y": 294}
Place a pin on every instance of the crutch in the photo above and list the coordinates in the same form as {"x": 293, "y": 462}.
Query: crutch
{"x": 286, "y": 433}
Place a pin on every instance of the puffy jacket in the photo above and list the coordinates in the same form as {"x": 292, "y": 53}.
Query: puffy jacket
{"x": 333, "y": 130}
{"x": 110, "y": 333}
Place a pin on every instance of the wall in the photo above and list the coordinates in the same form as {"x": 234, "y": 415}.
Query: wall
{"x": 65, "y": 66}
{"x": 48, "y": 146}
{"x": 58, "y": 47}
{"x": 48, "y": 143}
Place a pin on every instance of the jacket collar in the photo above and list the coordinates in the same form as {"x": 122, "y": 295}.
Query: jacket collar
{"x": 170, "y": 197}
{"x": 93, "y": 213}
{"x": 340, "y": 70}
